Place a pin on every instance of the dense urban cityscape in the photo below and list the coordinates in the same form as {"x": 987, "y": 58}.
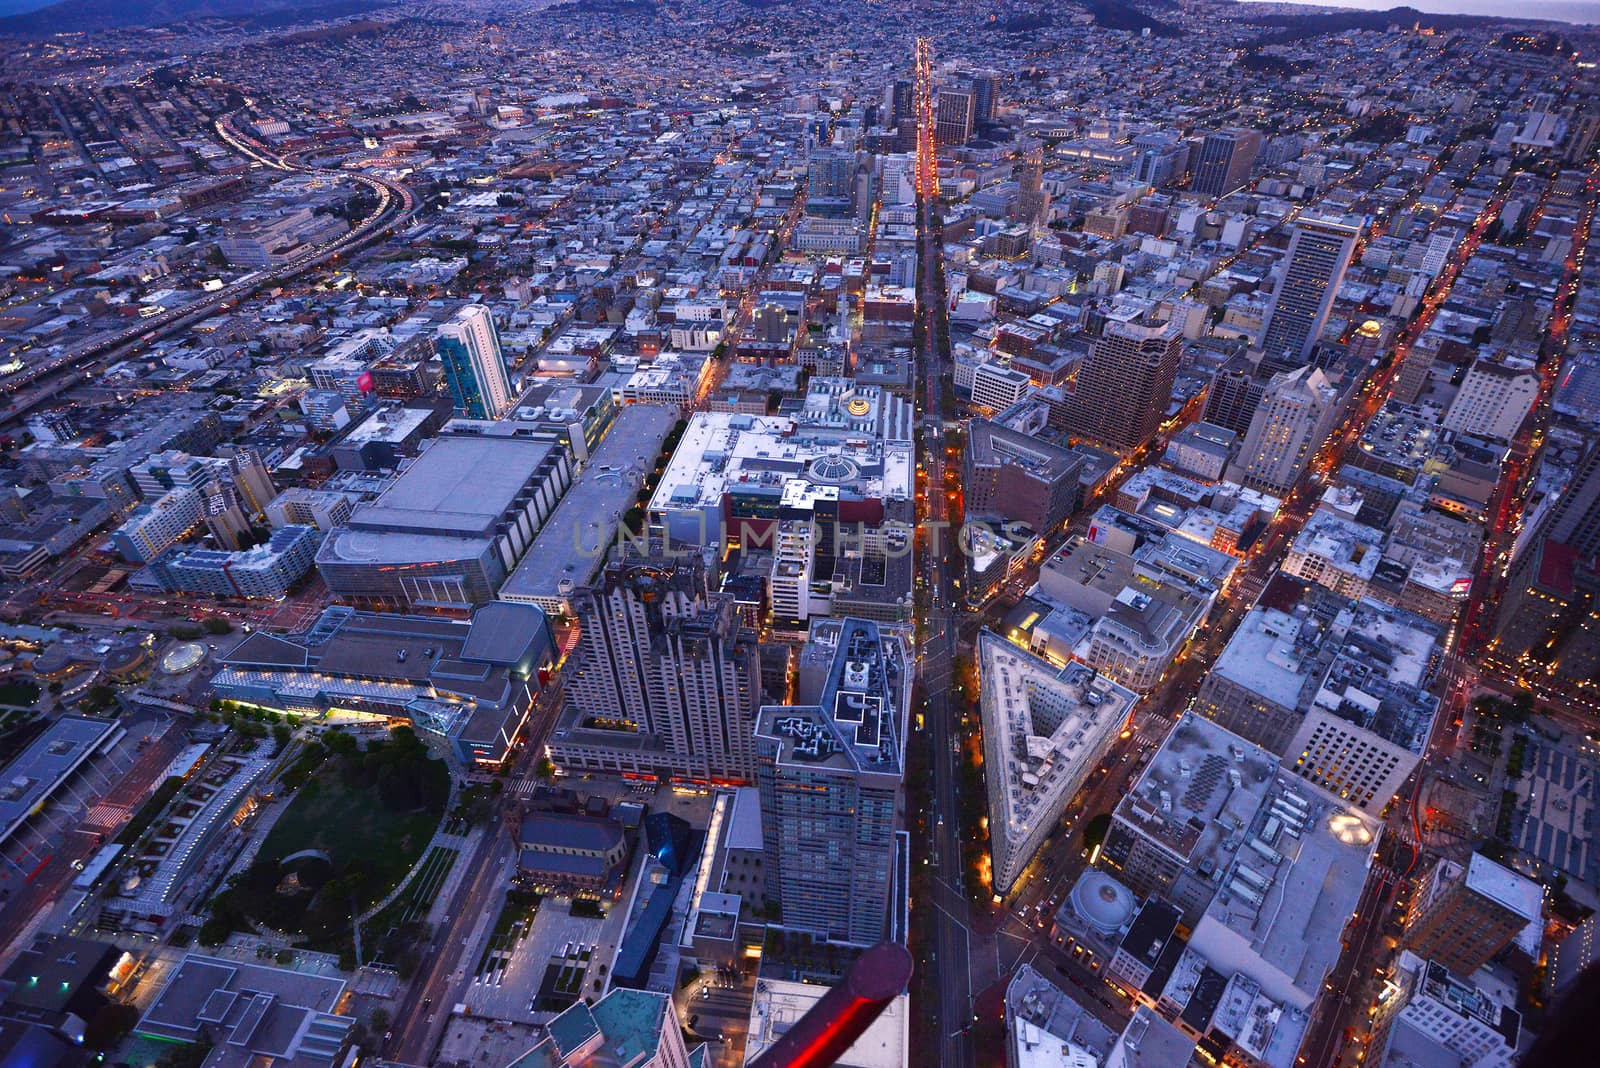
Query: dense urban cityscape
{"x": 649, "y": 534}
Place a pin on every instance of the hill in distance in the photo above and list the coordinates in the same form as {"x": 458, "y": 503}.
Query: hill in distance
{"x": 80, "y": 16}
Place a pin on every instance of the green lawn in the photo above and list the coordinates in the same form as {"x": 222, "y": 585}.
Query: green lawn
{"x": 355, "y": 828}
{"x": 19, "y": 694}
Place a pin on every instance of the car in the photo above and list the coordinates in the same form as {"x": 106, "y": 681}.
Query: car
{"x": 693, "y": 1020}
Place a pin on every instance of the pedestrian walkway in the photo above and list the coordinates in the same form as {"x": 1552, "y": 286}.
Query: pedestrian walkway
{"x": 465, "y": 847}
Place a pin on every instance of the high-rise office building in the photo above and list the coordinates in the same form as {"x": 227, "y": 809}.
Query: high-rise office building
{"x": 1125, "y": 384}
{"x": 1225, "y": 161}
{"x": 225, "y": 516}
{"x": 667, "y": 682}
{"x": 900, "y": 101}
{"x": 1494, "y": 399}
{"x": 830, "y": 769}
{"x": 1313, "y": 270}
{"x": 1032, "y": 201}
{"x": 1296, "y": 413}
{"x": 954, "y": 115}
{"x": 1044, "y": 730}
{"x": 1463, "y": 917}
{"x": 1575, "y": 520}
{"x": 1234, "y": 394}
{"x": 474, "y": 366}
{"x": 985, "y": 91}
{"x": 1429, "y": 1016}
{"x": 830, "y": 175}
{"x": 1163, "y": 158}
{"x": 1549, "y": 618}
{"x": 252, "y": 479}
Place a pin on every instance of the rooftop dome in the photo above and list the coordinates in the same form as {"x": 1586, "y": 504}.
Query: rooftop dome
{"x": 832, "y": 467}
{"x": 1102, "y": 902}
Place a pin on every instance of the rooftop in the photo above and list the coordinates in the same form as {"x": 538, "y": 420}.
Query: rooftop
{"x": 725, "y": 453}
{"x": 273, "y": 1013}
{"x": 1043, "y": 731}
{"x": 391, "y": 423}
{"x": 859, "y": 719}
{"x": 572, "y": 544}
{"x": 778, "y": 1003}
{"x": 459, "y": 486}
{"x": 1048, "y": 1028}
{"x": 1201, "y": 790}
{"x": 1505, "y": 887}
{"x": 1285, "y": 898}
{"x": 1347, "y": 545}
{"x": 627, "y": 1023}
{"x": 47, "y": 762}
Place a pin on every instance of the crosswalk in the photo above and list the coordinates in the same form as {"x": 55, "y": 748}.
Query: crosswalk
{"x": 105, "y": 818}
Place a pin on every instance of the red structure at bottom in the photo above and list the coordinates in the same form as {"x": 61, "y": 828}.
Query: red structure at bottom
{"x": 844, "y": 1013}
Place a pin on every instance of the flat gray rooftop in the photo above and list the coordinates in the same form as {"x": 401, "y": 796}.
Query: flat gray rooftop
{"x": 458, "y": 485}
{"x": 573, "y": 542}
{"x": 398, "y": 547}
{"x": 1188, "y": 801}
{"x": 1289, "y": 892}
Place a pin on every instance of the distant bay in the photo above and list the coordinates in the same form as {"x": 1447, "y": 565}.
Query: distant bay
{"x": 1552, "y": 10}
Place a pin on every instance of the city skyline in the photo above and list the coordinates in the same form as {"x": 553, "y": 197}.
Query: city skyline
{"x": 693, "y": 534}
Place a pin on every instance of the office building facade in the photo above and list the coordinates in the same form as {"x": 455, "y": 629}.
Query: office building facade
{"x": 1313, "y": 270}
{"x": 1125, "y": 384}
{"x": 667, "y": 683}
{"x": 830, "y": 772}
{"x": 1431, "y": 1016}
{"x": 954, "y": 115}
{"x": 1462, "y": 918}
{"x": 1292, "y": 421}
{"x": 474, "y": 366}
{"x": 1226, "y": 158}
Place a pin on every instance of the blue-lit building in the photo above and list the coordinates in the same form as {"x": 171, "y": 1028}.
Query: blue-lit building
{"x": 474, "y": 365}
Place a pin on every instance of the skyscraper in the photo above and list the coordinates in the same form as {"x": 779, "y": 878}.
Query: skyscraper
{"x": 1463, "y": 918}
{"x": 829, "y": 176}
{"x": 1162, "y": 158}
{"x": 252, "y": 479}
{"x": 1125, "y": 384}
{"x": 954, "y": 115}
{"x": 1549, "y": 617}
{"x": 667, "y": 682}
{"x": 1032, "y": 201}
{"x": 1290, "y": 424}
{"x": 830, "y": 771}
{"x": 1575, "y": 520}
{"x": 1225, "y": 161}
{"x": 474, "y": 366}
{"x": 985, "y": 89}
{"x": 1234, "y": 394}
{"x": 1044, "y": 730}
{"x": 899, "y": 101}
{"x": 1313, "y": 270}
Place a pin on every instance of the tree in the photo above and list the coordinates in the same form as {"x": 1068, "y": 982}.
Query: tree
{"x": 1094, "y": 832}
{"x": 340, "y": 743}
{"x": 281, "y": 733}
{"x": 107, "y": 1026}
{"x": 187, "y": 1055}
{"x": 99, "y": 698}
{"x": 216, "y": 625}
